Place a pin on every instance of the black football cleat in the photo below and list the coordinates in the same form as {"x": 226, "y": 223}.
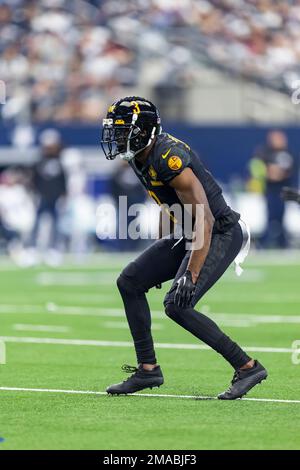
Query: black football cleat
{"x": 139, "y": 380}
{"x": 243, "y": 381}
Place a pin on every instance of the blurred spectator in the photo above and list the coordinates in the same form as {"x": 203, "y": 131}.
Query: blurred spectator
{"x": 66, "y": 60}
{"x": 49, "y": 184}
{"x": 278, "y": 164}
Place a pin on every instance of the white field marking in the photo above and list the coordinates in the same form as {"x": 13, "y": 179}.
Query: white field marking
{"x": 47, "y": 328}
{"x": 233, "y": 323}
{"x": 261, "y": 298}
{"x": 75, "y": 279}
{"x": 250, "y": 275}
{"x": 62, "y": 279}
{"x": 81, "y": 299}
{"x": 9, "y": 308}
{"x": 128, "y": 344}
{"x": 52, "y": 308}
{"x": 123, "y": 325}
{"x": 261, "y": 257}
{"x": 87, "y": 298}
{"x": 117, "y": 261}
{"x": 255, "y": 319}
{"x": 265, "y": 299}
{"x": 225, "y": 319}
{"x": 153, "y": 395}
{"x": 2, "y": 353}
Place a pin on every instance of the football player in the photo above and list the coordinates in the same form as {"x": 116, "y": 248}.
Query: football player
{"x": 173, "y": 174}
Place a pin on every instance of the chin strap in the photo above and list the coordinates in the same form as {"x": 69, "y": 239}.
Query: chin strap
{"x": 130, "y": 154}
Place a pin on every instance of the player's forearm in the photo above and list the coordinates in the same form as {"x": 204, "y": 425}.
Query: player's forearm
{"x": 198, "y": 256}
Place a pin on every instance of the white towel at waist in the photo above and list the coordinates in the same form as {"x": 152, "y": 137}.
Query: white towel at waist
{"x": 245, "y": 247}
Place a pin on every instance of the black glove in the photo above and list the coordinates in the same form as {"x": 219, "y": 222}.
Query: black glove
{"x": 185, "y": 290}
{"x": 158, "y": 286}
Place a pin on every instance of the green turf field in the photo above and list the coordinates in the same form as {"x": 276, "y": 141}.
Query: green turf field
{"x": 65, "y": 330}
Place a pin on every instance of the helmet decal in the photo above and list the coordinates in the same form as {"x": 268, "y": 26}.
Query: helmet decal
{"x": 136, "y": 108}
{"x": 111, "y": 108}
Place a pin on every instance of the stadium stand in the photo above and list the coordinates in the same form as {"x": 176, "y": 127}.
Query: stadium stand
{"x": 65, "y": 60}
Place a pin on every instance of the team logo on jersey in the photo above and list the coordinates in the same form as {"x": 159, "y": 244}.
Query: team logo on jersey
{"x": 152, "y": 172}
{"x": 175, "y": 163}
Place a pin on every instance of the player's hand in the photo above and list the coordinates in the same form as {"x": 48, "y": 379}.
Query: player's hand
{"x": 185, "y": 290}
{"x": 158, "y": 286}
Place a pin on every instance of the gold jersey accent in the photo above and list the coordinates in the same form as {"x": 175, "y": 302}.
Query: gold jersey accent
{"x": 178, "y": 141}
{"x": 152, "y": 172}
{"x": 165, "y": 208}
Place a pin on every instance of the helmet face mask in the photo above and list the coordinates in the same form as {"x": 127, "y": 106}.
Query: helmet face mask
{"x": 120, "y": 141}
{"x": 129, "y": 128}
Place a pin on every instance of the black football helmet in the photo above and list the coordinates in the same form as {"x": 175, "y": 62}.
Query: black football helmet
{"x": 129, "y": 127}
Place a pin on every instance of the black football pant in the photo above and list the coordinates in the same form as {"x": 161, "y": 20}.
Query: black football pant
{"x": 167, "y": 259}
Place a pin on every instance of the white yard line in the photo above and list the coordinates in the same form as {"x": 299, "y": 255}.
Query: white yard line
{"x": 227, "y": 319}
{"x": 118, "y": 260}
{"x": 76, "y": 279}
{"x": 153, "y": 395}
{"x": 2, "y": 353}
{"x": 128, "y": 344}
{"x": 83, "y": 279}
{"x": 47, "y": 328}
{"x": 123, "y": 325}
{"x": 52, "y": 308}
{"x": 255, "y": 319}
{"x": 85, "y": 298}
{"x": 223, "y": 298}
{"x": 256, "y": 299}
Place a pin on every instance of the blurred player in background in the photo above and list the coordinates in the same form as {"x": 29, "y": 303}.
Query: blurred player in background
{"x": 173, "y": 174}
{"x": 278, "y": 171}
{"x": 8, "y": 234}
{"x": 16, "y": 211}
{"x": 49, "y": 184}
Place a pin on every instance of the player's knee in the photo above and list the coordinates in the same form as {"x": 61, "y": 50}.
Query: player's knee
{"x": 128, "y": 281}
{"x": 125, "y": 285}
{"x": 171, "y": 310}
{"x": 121, "y": 283}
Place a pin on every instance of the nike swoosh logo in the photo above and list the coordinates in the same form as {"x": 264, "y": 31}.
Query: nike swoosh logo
{"x": 164, "y": 155}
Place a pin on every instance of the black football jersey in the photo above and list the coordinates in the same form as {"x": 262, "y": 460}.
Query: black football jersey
{"x": 167, "y": 159}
